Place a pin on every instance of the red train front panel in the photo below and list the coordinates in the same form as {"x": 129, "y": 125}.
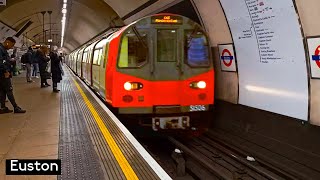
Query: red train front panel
{"x": 162, "y": 69}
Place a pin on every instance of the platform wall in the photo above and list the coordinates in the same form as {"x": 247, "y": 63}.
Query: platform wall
{"x": 215, "y": 22}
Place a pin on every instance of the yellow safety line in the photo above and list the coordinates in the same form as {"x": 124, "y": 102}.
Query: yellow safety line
{"x": 122, "y": 161}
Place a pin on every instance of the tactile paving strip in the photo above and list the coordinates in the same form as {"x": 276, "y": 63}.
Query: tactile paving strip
{"x": 76, "y": 151}
{"x": 139, "y": 165}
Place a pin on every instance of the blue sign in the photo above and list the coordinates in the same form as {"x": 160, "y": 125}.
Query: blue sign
{"x": 316, "y": 57}
{"x": 226, "y": 57}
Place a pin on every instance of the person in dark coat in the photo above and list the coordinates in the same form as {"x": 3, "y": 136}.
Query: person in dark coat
{"x": 6, "y": 88}
{"x": 29, "y": 64}
{"x": 43, "y": 63}
{"x": 56, "y": 70}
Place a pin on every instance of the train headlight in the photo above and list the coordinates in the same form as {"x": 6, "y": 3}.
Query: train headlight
{"x": 198, "y": 85}
{"x": 129, "y": 86}
{"x": 201, "y": 84}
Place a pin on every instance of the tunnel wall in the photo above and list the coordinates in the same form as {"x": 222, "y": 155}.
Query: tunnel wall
{"x": 153, "y": 8}
{"x": 288, "y": 137}
{"x": 226, "y": 87}
{"x": 308, "y": 12}
{"x": 227, "y": 82}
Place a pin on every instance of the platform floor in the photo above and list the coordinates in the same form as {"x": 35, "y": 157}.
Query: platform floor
{"x": 35, "y": 134}
{"x": 74, "y": 127}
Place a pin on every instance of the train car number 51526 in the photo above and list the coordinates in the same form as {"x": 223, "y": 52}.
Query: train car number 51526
{"x": 197, "y": 108}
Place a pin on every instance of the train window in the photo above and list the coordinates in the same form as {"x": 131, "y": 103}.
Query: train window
{"x": 85, "y": 56}
{"x": 101, "y": 57}
{"x": 166, "y": 45}
{"x": 133, "y": 52}
{"x": 96, "y": 56}
{"x": 106, "y": 55}
{"x": 196, "y": 48}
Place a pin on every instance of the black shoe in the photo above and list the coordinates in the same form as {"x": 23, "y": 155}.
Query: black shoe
{"x": 43, "y": 86}
{"x": 56, "y": 90}
{"x": 5, "y": 110}
{"x": 47, "y": 84}
{"x": 19, "y": 110}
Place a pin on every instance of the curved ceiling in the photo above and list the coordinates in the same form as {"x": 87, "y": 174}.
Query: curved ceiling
{"x": 85, "y": 19}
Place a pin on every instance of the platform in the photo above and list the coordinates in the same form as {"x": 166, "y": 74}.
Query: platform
{"x": 76, "y": 127}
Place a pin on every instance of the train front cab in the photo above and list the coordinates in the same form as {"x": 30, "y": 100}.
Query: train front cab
{"x": 163, "y": 69}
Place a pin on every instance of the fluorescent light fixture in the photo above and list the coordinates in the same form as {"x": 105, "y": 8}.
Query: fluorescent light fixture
{"x": 64, "y": 11}
{"x": 63, "y": 20}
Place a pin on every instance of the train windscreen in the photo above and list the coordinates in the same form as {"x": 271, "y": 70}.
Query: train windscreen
{"x": 196, "y": 48}
{"x": 133, "y": 52}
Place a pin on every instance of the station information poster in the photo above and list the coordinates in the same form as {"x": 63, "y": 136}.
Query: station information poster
{"x": 271, "y": 57}
{"x": 227, "y": 57}
{"x": 314, "y": 56}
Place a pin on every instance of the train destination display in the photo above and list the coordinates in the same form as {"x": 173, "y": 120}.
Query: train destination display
{"x": 271, "y": 57}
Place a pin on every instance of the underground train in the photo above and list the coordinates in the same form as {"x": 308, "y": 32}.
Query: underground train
{"x": 160, "y": 65}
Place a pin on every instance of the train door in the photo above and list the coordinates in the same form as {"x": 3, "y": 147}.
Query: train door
{"x": 102, "y": 70}
{"x": 167, "y": 63}
{"x": 84, "y": 65}
{"x": 96, "y": 69}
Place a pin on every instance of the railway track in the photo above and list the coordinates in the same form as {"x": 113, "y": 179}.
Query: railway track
{"x": 208, "y": 158}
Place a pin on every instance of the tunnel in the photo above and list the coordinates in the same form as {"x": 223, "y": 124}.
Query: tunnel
{"x": 265, "y": 57}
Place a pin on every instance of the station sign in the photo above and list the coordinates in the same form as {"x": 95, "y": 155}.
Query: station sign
{"x": 314, "y": 56}
{"x": 227, "y": 57}
{"x": 166, "y": 19}
{"x": 3, "y": 2}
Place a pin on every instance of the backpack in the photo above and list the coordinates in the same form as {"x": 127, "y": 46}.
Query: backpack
{"x": 24, "y": 58}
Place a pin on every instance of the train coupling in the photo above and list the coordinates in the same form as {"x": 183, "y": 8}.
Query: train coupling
{"x": 180, "y": 122}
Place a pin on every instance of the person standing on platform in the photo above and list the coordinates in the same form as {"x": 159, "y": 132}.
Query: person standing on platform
{"x": 5, "y": 78}
{"x": 43, "y": 63}
{"x": 56, "y": 68}
{"x": 35, "y": 65}
{"x": 29, "y": 64}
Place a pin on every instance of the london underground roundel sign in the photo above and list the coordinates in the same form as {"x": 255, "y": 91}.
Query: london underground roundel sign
{"x": 314, "y": 56}
{"x": 227, "y": 57}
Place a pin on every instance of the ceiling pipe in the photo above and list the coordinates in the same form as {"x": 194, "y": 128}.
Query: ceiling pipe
{"x": 43, "y": 13}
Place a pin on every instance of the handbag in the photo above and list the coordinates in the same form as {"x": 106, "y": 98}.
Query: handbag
{"x": 48, "y": 68}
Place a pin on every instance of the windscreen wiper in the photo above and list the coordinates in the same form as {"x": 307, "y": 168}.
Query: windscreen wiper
{"x": 139, "y": 37}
